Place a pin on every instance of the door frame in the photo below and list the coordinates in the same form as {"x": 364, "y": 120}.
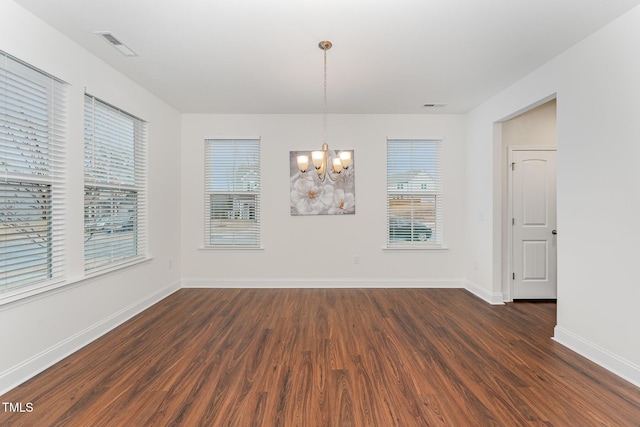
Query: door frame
{"x": 511, "y": 149}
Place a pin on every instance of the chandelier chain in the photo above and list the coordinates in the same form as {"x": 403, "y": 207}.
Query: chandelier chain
{"x": 324, "y": 106}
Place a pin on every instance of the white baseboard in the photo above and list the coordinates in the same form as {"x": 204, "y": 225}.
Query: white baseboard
{"x": 18, "y": 374}
{"x": 275, "y": 283}
{"x": 619, "y": 366}
{"x": 495, "y": 298}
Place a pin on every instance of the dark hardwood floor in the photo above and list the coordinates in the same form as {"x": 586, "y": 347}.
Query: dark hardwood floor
{"x": 328, "y": 357}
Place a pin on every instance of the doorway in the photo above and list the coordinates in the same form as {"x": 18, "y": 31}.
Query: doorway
{"x": 532, "y": 128}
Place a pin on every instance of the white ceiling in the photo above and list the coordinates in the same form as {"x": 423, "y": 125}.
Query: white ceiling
{"x": 262, "y": 56}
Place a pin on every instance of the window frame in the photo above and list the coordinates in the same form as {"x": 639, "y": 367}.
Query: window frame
{"x": 414, "y": 181}
{"x": 33, "y": 134}
{"x": 243, "y": 198}
{"x": 115, "y": 187}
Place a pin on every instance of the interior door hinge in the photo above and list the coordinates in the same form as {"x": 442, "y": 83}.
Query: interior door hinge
{"x": 513, "y": 166}
{"x": 513, "y": 221}
{"x": 513, "y": 276}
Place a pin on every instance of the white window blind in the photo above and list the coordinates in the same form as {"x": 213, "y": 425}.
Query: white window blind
{"x": 114, "y": 186}
{"x": 32, "y": 187}
{"x": 232, "y": 193}
{"x": 414, "y": 193}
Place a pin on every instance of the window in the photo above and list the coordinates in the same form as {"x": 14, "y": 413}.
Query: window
{"x": 414, "y": 196}
{"x": 32, "y": 193}
{"x": 232, "y": 193}
{"x": 114, "y": 186}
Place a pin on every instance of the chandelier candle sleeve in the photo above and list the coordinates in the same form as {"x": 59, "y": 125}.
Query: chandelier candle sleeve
{"x": 337, "y": 165}
{"x": 318, "y": 159}
{"x": 303, "y": 163}
{"x": 345, "y": 159}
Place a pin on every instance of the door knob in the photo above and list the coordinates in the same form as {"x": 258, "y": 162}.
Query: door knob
{"x": 554, "y": 232}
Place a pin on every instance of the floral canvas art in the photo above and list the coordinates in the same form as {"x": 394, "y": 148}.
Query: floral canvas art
{"x": 310, "y": 195}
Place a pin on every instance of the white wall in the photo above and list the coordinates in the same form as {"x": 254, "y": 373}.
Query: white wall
{"x": 598, "y": 99}
{"x": 319, "y": 250}
{"x": 39, "y": 330}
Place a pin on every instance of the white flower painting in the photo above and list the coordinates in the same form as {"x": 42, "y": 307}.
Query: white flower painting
{"x": 335, "y": 195}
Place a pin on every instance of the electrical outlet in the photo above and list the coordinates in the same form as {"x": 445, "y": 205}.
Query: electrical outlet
{"x": 356, "y": 259}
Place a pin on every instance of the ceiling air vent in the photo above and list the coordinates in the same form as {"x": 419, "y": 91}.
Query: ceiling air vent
{"x": 113, "y": 41}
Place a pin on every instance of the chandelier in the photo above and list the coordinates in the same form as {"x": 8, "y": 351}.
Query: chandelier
{"x": 320, "y": 159}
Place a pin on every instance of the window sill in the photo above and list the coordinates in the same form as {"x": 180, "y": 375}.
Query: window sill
{"x": 230, "y": 248}
{"x": 113, "y": 268}
{"x": 415, "y": 248}
{"x": 25, "y": 292}
{"x": 28, "y": 292}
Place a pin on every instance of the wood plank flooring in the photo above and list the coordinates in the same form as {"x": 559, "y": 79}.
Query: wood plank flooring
{"x": 328, "y": 357}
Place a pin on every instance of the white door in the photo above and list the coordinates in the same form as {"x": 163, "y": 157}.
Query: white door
{"x": 534, "y": 234}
